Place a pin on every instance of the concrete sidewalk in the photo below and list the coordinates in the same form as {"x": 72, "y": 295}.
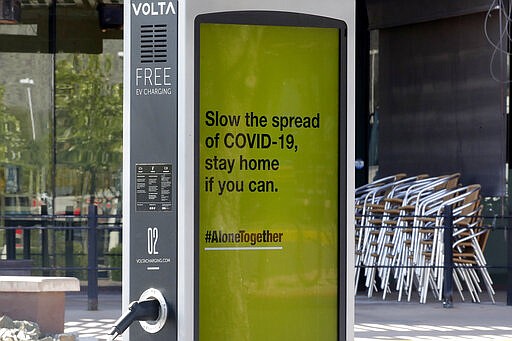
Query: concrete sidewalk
{"x": 375, "y": 319}
{"x": 91, "y": 325}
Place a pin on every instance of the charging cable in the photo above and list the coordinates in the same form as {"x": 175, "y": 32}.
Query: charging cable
{"x": 146, "y": 310}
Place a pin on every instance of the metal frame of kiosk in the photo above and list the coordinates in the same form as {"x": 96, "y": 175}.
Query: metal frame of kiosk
{"x": 161, "y": 169}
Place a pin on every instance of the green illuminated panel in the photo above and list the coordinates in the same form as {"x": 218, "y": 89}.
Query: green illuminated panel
{"x": 269, "y": 103}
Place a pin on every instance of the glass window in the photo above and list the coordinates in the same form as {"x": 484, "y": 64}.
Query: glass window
{"x": 60, "y": 130}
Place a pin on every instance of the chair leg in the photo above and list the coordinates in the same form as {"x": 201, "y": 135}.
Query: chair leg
{"x": 458, "y": 284}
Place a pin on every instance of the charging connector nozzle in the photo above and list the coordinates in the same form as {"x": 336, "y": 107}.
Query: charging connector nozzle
{"x": 147, "y": 310}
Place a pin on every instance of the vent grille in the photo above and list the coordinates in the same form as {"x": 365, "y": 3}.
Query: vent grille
{"x": 153, "y": 43}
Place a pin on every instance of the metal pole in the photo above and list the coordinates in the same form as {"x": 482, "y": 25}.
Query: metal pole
{"x": 92, "y": 256}
{"x": 509, "y": 265}
{"x": 26, "y": 243}
{"x": 31, "y": 113}
{"x": 448, "y": 258}
{"x": 69, "y": 238}
{"x": 10, "y": 241}
{"x": 44, "y": 239}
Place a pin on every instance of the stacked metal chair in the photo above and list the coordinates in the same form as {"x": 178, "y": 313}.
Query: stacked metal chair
{"x": 399, "y": 236}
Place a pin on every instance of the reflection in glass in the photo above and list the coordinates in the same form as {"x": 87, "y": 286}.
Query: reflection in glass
{"x": 60, "y": 135}
{"x": 88, "y": 129}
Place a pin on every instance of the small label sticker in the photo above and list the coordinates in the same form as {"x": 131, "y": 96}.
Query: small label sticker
{"x": 153, "y": 187}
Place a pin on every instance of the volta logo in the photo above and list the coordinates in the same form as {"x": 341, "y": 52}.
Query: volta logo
{"x": 154, "y": 8}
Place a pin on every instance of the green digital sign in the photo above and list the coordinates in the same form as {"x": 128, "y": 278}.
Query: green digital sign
{"x": 267, "y": 181}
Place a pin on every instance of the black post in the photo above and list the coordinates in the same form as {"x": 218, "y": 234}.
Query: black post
{"x": 44, "y": 239}
{"x": 10, "y": 241}
{"x": 27, "y": 254}
{"x": 92, "y": 256}
{"x": 69, "y": 237}
{"x": 448, "y": 258}
{"x": 362, "y": 91}
{"x": 509, "y": 266}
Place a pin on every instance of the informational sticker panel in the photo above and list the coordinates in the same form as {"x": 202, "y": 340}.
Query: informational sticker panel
{"x": 153, "y": 187}
{"x": 268, "y": 113}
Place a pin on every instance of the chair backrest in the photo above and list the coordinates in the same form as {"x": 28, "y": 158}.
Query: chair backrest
{"x": 362, "y": 190}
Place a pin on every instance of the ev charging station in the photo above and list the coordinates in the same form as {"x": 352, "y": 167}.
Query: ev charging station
{"x": 238, "y": 170}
